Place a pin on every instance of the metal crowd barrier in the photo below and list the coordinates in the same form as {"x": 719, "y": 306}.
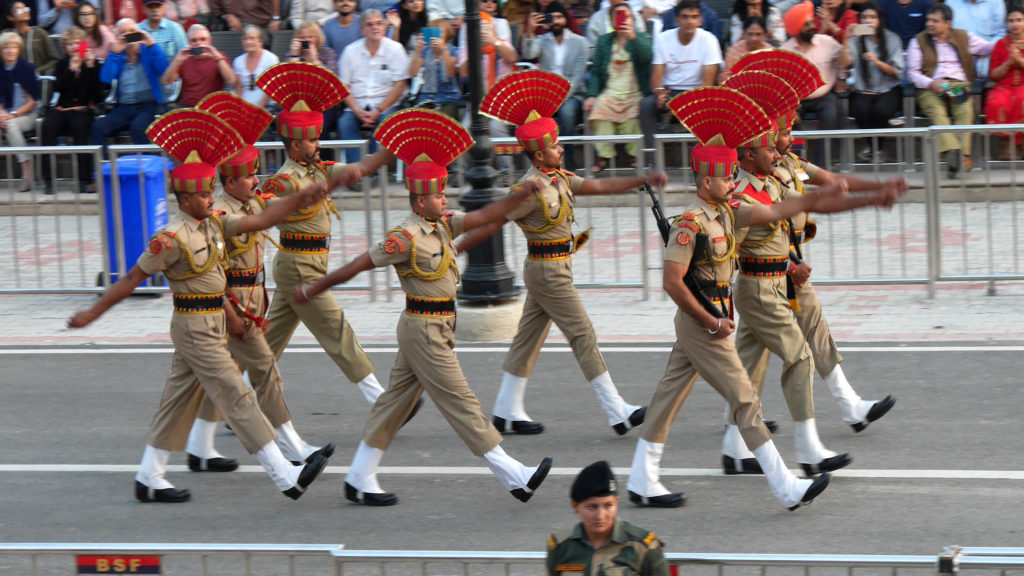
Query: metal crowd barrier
{"x": 947, "y": 229}
{"x": 38, "y": 559}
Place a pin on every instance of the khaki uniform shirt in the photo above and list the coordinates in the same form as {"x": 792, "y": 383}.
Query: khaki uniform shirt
{"x": 291, "y": 178}
{"x": 629, "y": 550}
{"x": 419, "y": 247}
{"x": 185, "y": 247}
{"x": 794, "y": 172}
{"x": 764, "y": 240}
{"x": 245, "y": 251}
{"x": 720, "y": 223}
{"x": 538, "y": 215}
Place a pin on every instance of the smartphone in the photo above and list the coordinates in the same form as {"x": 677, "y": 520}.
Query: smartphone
{"x": 304, "y": 44}
{"x": 547, "y": 19}
{"x": 196, "y": 50}
{"x": 620, "y": 19}
{"x": 429, "y": 33}
{"x": 134, "y": 37}
{"x": 82, "y": 48}
{"x": 863, "y": 30}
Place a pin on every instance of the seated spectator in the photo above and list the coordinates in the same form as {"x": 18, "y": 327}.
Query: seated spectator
{"x": 708, "y": 16}
{"x": 538, "y": 8}
{"x": 436, "y": 66}
{"x": 37, "y": 49}
{"x": 619, "y": 78}
{"x": 168, "y": 34}
{"x": 755, "y": 37}
{"x": 309, "y": 45}
{"x": 189, "y": 12}
{"x": 905, "y": 17}
{"x": 832, "y": 60}
{"x": 833, "y": 18}
{"x": 1004, "y": 103}
{"x": 309, "y": 11}
{"x": 983, "y": 18}
{"x": 137, "y": 66}
{"x": 600, "y": 23}
{"x": 252, "y": 62}
{"x": 376, "y": 71}
{"x": 19, "y": 92}
{"x": 57, "y": 16}
{"x": 78, "y": 83}
{"x": 940, "y": 65}
{"x": 563, "y": 52}
{"x": 685, "y": 58}
{"x": 744, "y": 9}
{"x": 237, "y": 13}
{"x": 878, "y": 69}
{"x": 343, "y": 29}
{"x": 202, "y": 68}
{"x": 97, "y": 34}
{"x": 406, "y": 22}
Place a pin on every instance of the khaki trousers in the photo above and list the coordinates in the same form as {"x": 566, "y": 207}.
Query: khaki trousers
{"x": 767, "y": 324}
{"x": 321, "y": 315}
{"x": 551, "y": 296}
{"x": 426, "y": 361}
{"x": 255, "y": 356}
{"x": 202, "y": 366}
{"x": 697, "y": 352}
{"x": 938, "y": 108}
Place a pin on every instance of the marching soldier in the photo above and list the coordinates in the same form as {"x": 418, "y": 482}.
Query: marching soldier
{"x": 191, "y": 254}
{"x": 305, "y": 91}
{"x": 601, "y": 543}
{"x": 546, "y": 219}
{"x": 699, "y": 261}
{"x": 247, "y": 293}
{"x": 423, "y": 253}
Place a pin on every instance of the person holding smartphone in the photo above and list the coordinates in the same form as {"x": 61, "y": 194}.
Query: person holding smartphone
{"x": 877, "y": 59}
{"x": 434, "y": 61}
{"x": 78, "y": 83}
{"x": 139, "y": 96}
{"x": 202, "y": 68}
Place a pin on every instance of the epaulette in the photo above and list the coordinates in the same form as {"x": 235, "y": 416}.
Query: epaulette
{"x": 396, "y": 241}
{"x": 160, "y": 240}
{"x": 264, "y": 196}
{"x": 278, "y": 184}
{"x": 219, "y": 213}
{"x": 448, "y": 214}
{"x": 734, "y": 204}
{"x": 262, "y": 201}
{"x": 552, "y": 543}
{"x": 328, "y": 162}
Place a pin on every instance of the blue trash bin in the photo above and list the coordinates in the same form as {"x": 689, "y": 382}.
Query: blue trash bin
{"x": 143, "y": 207}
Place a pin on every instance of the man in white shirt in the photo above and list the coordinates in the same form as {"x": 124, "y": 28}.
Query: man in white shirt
{"x": 376, "y": 71}
{"x": 685, "y": 58}
{"x": 561, "y": 51}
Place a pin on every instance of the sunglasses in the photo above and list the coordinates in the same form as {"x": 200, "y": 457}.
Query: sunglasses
{"x": 22, "y": 10}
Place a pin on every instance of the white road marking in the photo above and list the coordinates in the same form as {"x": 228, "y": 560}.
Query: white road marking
{"x": 482, "y": 471}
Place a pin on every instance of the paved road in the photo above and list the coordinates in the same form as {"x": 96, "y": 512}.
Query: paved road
{"x": 944, "y": 467}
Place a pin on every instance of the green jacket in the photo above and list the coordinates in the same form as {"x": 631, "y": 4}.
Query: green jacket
{"x": 629, "y": 551}
{"x": 639, "y": 48}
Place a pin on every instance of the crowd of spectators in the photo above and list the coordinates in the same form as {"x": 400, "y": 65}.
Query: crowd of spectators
{"x": 625, "y": 59}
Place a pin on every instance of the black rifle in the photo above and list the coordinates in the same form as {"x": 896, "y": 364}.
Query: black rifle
{"x": 697, "y": 287}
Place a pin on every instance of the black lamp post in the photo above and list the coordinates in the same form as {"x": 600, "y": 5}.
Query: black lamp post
{"x": 487, "y": 279}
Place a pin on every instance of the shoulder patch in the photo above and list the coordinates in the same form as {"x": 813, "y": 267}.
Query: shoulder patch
{"x": 689, "y": 216}
{"x": 161, "y": 240}
{"x": 691, "y": 225}
{"x": 683, "y": 239}
{"x": 394, "y": 243}
{"x": 650, "y": 538}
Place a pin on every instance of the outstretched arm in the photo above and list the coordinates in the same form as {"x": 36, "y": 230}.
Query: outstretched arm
{"x": 853, "y": 184}
{"x": 618, "y": 185}
{"x": 119, "y": 291}
{"x": 283, "y": 206}
{"x": 827, "y": 200}
{"x": 305, "y": 292}
{"x": 480, "y": 224}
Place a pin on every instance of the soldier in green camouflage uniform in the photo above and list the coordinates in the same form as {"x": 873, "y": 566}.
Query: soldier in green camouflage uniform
{"x": 601, "y": 543}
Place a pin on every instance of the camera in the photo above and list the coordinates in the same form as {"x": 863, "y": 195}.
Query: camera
{"x": 547, "y": 19}
{"x": 134, "y": 37}
{"x": 196, "y": 51}
{"x": 304, "y": 44}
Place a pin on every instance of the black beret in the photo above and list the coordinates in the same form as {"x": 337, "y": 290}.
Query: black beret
{"x": 594, "y": 481}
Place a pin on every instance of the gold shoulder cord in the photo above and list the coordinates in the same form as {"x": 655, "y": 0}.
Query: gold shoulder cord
{"x": 730, "y": 253}
{"x": 196, "y": 271}
{"x": 309, "y": 213}
{"x": 447, "y": 261}
{"x": 564, "y": 212}
{"x": 798, "y": 184}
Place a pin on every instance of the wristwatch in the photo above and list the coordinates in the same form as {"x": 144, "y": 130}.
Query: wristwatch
{"x": 275, "y": 18}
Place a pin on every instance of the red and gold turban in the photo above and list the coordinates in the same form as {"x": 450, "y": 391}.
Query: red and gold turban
{"x": 771, "y": 93}
{"x": 527, "y": 100}
{"x": 427, "y": 141}
{"x": 249, "y": 120}
{"x": 722, "y": 119}
{"x": 200, "y": 141}
{"x": 304, "y": 91}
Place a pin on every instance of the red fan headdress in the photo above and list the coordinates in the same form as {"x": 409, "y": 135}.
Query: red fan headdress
{"x": 249, "y": 120}
{"x": 200, "y": 141}
{"x": 427, "y": 141}
{"x": 528, "y": 99}
{"x": 722, "y": 119}
{"x": 771, "y": 93}
{"x": 794, "y": 69}
{"x": 304, "y": 91}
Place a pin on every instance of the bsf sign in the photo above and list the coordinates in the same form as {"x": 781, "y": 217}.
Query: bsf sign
{"x": 118, "y": 564}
